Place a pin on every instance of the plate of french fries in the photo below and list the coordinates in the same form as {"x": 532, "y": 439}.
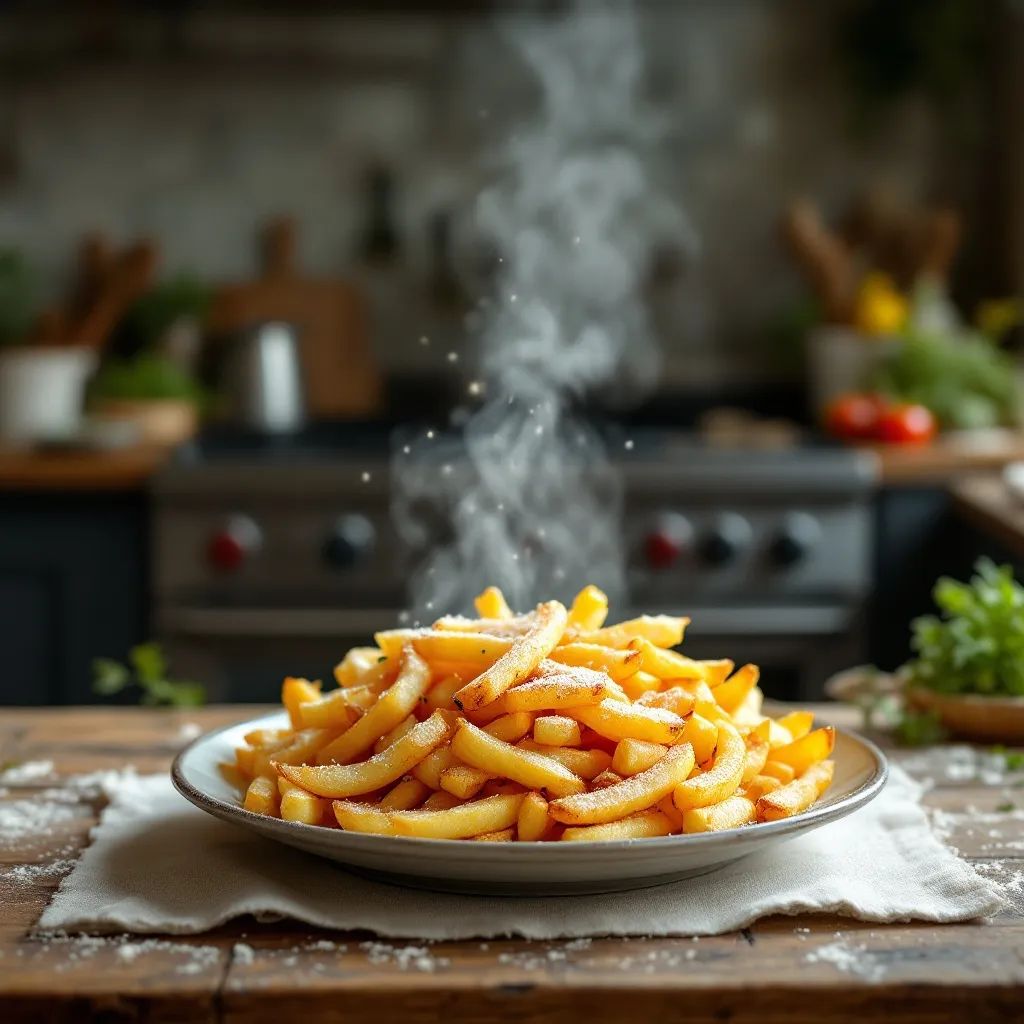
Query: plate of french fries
{"x": 544, "y": 752}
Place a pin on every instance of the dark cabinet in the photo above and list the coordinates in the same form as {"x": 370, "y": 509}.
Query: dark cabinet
{"x": 72, "y": 587}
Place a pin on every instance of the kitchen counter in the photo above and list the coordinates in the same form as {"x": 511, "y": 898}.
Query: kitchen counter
{"x": 778, "y": 970}
{"x": 33, "y": 470}
{"x": 986, "y": 502}
{"x": 947, "y": 459}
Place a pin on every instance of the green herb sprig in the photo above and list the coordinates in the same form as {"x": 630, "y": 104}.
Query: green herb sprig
{"x": 146, "y": 671}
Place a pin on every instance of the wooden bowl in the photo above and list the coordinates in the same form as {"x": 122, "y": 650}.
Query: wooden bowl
{"x": 973, "y": 716}
{"x": 162, "y": 421}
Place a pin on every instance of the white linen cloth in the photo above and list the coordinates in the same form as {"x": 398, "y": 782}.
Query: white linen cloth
{"x": 158, "y": 864}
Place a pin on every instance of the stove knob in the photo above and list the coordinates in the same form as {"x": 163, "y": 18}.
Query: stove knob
{"x": 729, "y": 536}
{"x": 796, "y": 538}
{"x": 671, "y": 536}
{"x": 351, "y": 541}
{"x": 230, "y": 546}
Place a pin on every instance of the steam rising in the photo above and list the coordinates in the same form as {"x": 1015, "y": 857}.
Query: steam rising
{"x": 528, "y": 496}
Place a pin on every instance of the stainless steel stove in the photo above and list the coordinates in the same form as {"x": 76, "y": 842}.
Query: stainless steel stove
{"x": 272, "y": 557}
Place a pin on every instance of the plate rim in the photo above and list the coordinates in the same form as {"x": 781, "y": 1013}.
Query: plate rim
{"x": 811, "y": 818}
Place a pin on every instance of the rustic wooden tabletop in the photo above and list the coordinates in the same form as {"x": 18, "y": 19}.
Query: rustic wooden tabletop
{"x": 813, "y": 969}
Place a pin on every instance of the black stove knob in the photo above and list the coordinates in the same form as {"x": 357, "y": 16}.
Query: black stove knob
{"x": 350, "y": 542}
{"x": 726, "y": 540}
{"x": 796, "y": 538}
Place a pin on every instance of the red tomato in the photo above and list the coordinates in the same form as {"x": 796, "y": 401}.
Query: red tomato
{"x": 906, "y": 424}
{"x": 853, "y": 417}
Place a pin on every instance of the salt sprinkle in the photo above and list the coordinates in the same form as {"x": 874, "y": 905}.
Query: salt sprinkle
{"x": 27, "y": 773}
{"x": 25, "y": 874}
{"x": 242, "y": 953}
{"x": 851, "y": 959}
{"x": 406, "y": 958}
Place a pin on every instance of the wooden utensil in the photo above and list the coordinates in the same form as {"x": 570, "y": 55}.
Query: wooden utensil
{"x": 342, "y": 379}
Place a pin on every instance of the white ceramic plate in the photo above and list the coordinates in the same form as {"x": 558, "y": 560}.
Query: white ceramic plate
{"x": 521, "y": 868}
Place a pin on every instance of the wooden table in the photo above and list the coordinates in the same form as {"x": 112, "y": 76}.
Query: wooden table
{"x": 948, "y": 459}
{"x": 120, "y": 470}
{"x": 782, "y": 969}
{"x": 987, "y": 503}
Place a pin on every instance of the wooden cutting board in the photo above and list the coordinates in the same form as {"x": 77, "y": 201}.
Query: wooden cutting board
{"x": 341, "y": 376}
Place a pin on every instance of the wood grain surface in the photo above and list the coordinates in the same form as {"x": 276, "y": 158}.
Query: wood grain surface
{"x": 122, "y": 470}
{"x": 797, "y": 970}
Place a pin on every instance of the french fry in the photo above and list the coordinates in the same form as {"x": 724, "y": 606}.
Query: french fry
{"x": 732, "y": 812}
{"x": 535, "y": 771}
{"x": 674, "y": 699}
{"x": 589, "y": 609}
{"x": 463, "y": 780}
{"x": 304, "y": 745}
{"x": 470, "y": 819}
{"x": 639, "y": 683}
{"x": 521, "y": 659}
{"x": 666, "y": 664}
{"x": 717, "y": 671}
{"x": 534, "y": 821}
{"x": 473, "y": 651}
{"x": 634, "y": 756}
{"x": 559, "y": 690}
{"x": 618, "y": 665}
{"x": 405, "y": 795}
{"x": 757, "y": 756}
{"x": 245, "y": 761}
{"x": 555, "y": 731}
{"x": 798, "y": 795}
{"x": 702, "y": 735}
{"x": 294, "y": 693}
{"x": 491, "y": 604}
{"x": 721, "y": 780}
{"x": 335, "y": 710}
{"x": 587, "y": 764}
{"x": 367, "y": 666}
{"x": 619, "y": 721}
{"x": 733, "y": 691}
{"x": 511, "y": 727}
{"x": 661, "y": 630}
{"x": 433, "y": 766}
{"x": 748, "y": 711}
{"x": 341, "y": 780}
{"x": 268, "y": 737}
{"x": 441, "y": 801}
{"x": 604, "y": 780}
{"x": 298, "y": 805}
{"x": 262, "y": 797}
{"x": 808, "y": 750}
{"x": 759, "y": 785}
{"x": 394, "y": 704}
{"x": 233, "y": 775}
{"x": 797, "y": 723}
{"x": 629, "y": 796}
{"x": 395, "y": 734}
{"x": 637, "y": 826}
{"x": 440, "y": 694}
{"x": 777, "y": 770}
{"x": 504, "y": 835}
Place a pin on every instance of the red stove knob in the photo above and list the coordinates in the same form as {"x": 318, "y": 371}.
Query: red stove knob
{"x": 668, "y": 540}
{"x": 230, "y": 546}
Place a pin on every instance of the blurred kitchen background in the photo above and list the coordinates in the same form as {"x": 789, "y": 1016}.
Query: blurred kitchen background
{"x": 241, "y": 237}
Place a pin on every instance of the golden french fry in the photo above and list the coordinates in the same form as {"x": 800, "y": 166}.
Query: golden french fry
{"x": 491, "y": 604}
{"x": 634, "y": 756}
{"x": 233, "y": 775}
{"x": 666, "y": 664}
{"x": 702, "y": 735}
{"x": 587, "y": 764}
{"x": 748, "y": 712}
{"x": 299, "y": 805}
{"x": 394, "y": 704}
{"x": 473, "y": 651}
{"x": 335, "y": 710}
{"x": 722, "y": 779}
{"x": 797, "y": 723}
{"x": 463, "y": 780}
{"x": 629, "y": 796}
{"x": 616, "y": 720}
{"x": 304, "y": 745}
{"x": 717, "y": 671}
{"x": 798, "y": 795}
{"x": 268, "y": 737}
{"x": 669, "y": 809}
{"x": 757, "y": 756}
{"x": 808, "y": 750}
{"x": 395, "y": 734}
{"x": 511, "y": 727}
{"x": 730, "y": 813}
{"x": 604, "y": 780}
{"x": 341, "y": 780}
{"x": 504, "y": 835}
{"x": 245, "y": 761}
{"x": 589, "y": 609}
{"x": 636, "y": 826}
{"x": 639, "y": 683}
{"x": 294, "y": 693}
{"x": 778, "y": 735}
{"x": 441, "y": 801}
{"x": 534, "y": 822}
{"x": 556, "y": 731}
{"x": 440, "y": 694}
{"x": 262, "y": 796}
{"x": 759, "y": 785}
{"x": 777, "y": 770}
{"x": 535, "y": 771}
{"x": 433, "y": 766}
{"x": 405, "y": 795}
{"x": 367, "y": 666}
{"x": 661, "y": 630}
{"x": 491, "y": 814}
{"x": 618, "y": 664}
{"x": 674, "y": 699}
{"x": 569, "y": 689}
{"x": 732, "y": 692}
{"x": 521, "y": 659}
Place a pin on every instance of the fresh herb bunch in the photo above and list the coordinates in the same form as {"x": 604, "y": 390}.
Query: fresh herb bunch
{"x": 147, "y": 376}
{"x": 965, "y": 380}
{"x": 147, "y": 671}
{"x": 977, "y": 644}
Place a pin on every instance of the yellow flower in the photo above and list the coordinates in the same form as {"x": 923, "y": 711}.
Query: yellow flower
{"x": 880, "y": 307}
{"x": 995, "y": 317}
